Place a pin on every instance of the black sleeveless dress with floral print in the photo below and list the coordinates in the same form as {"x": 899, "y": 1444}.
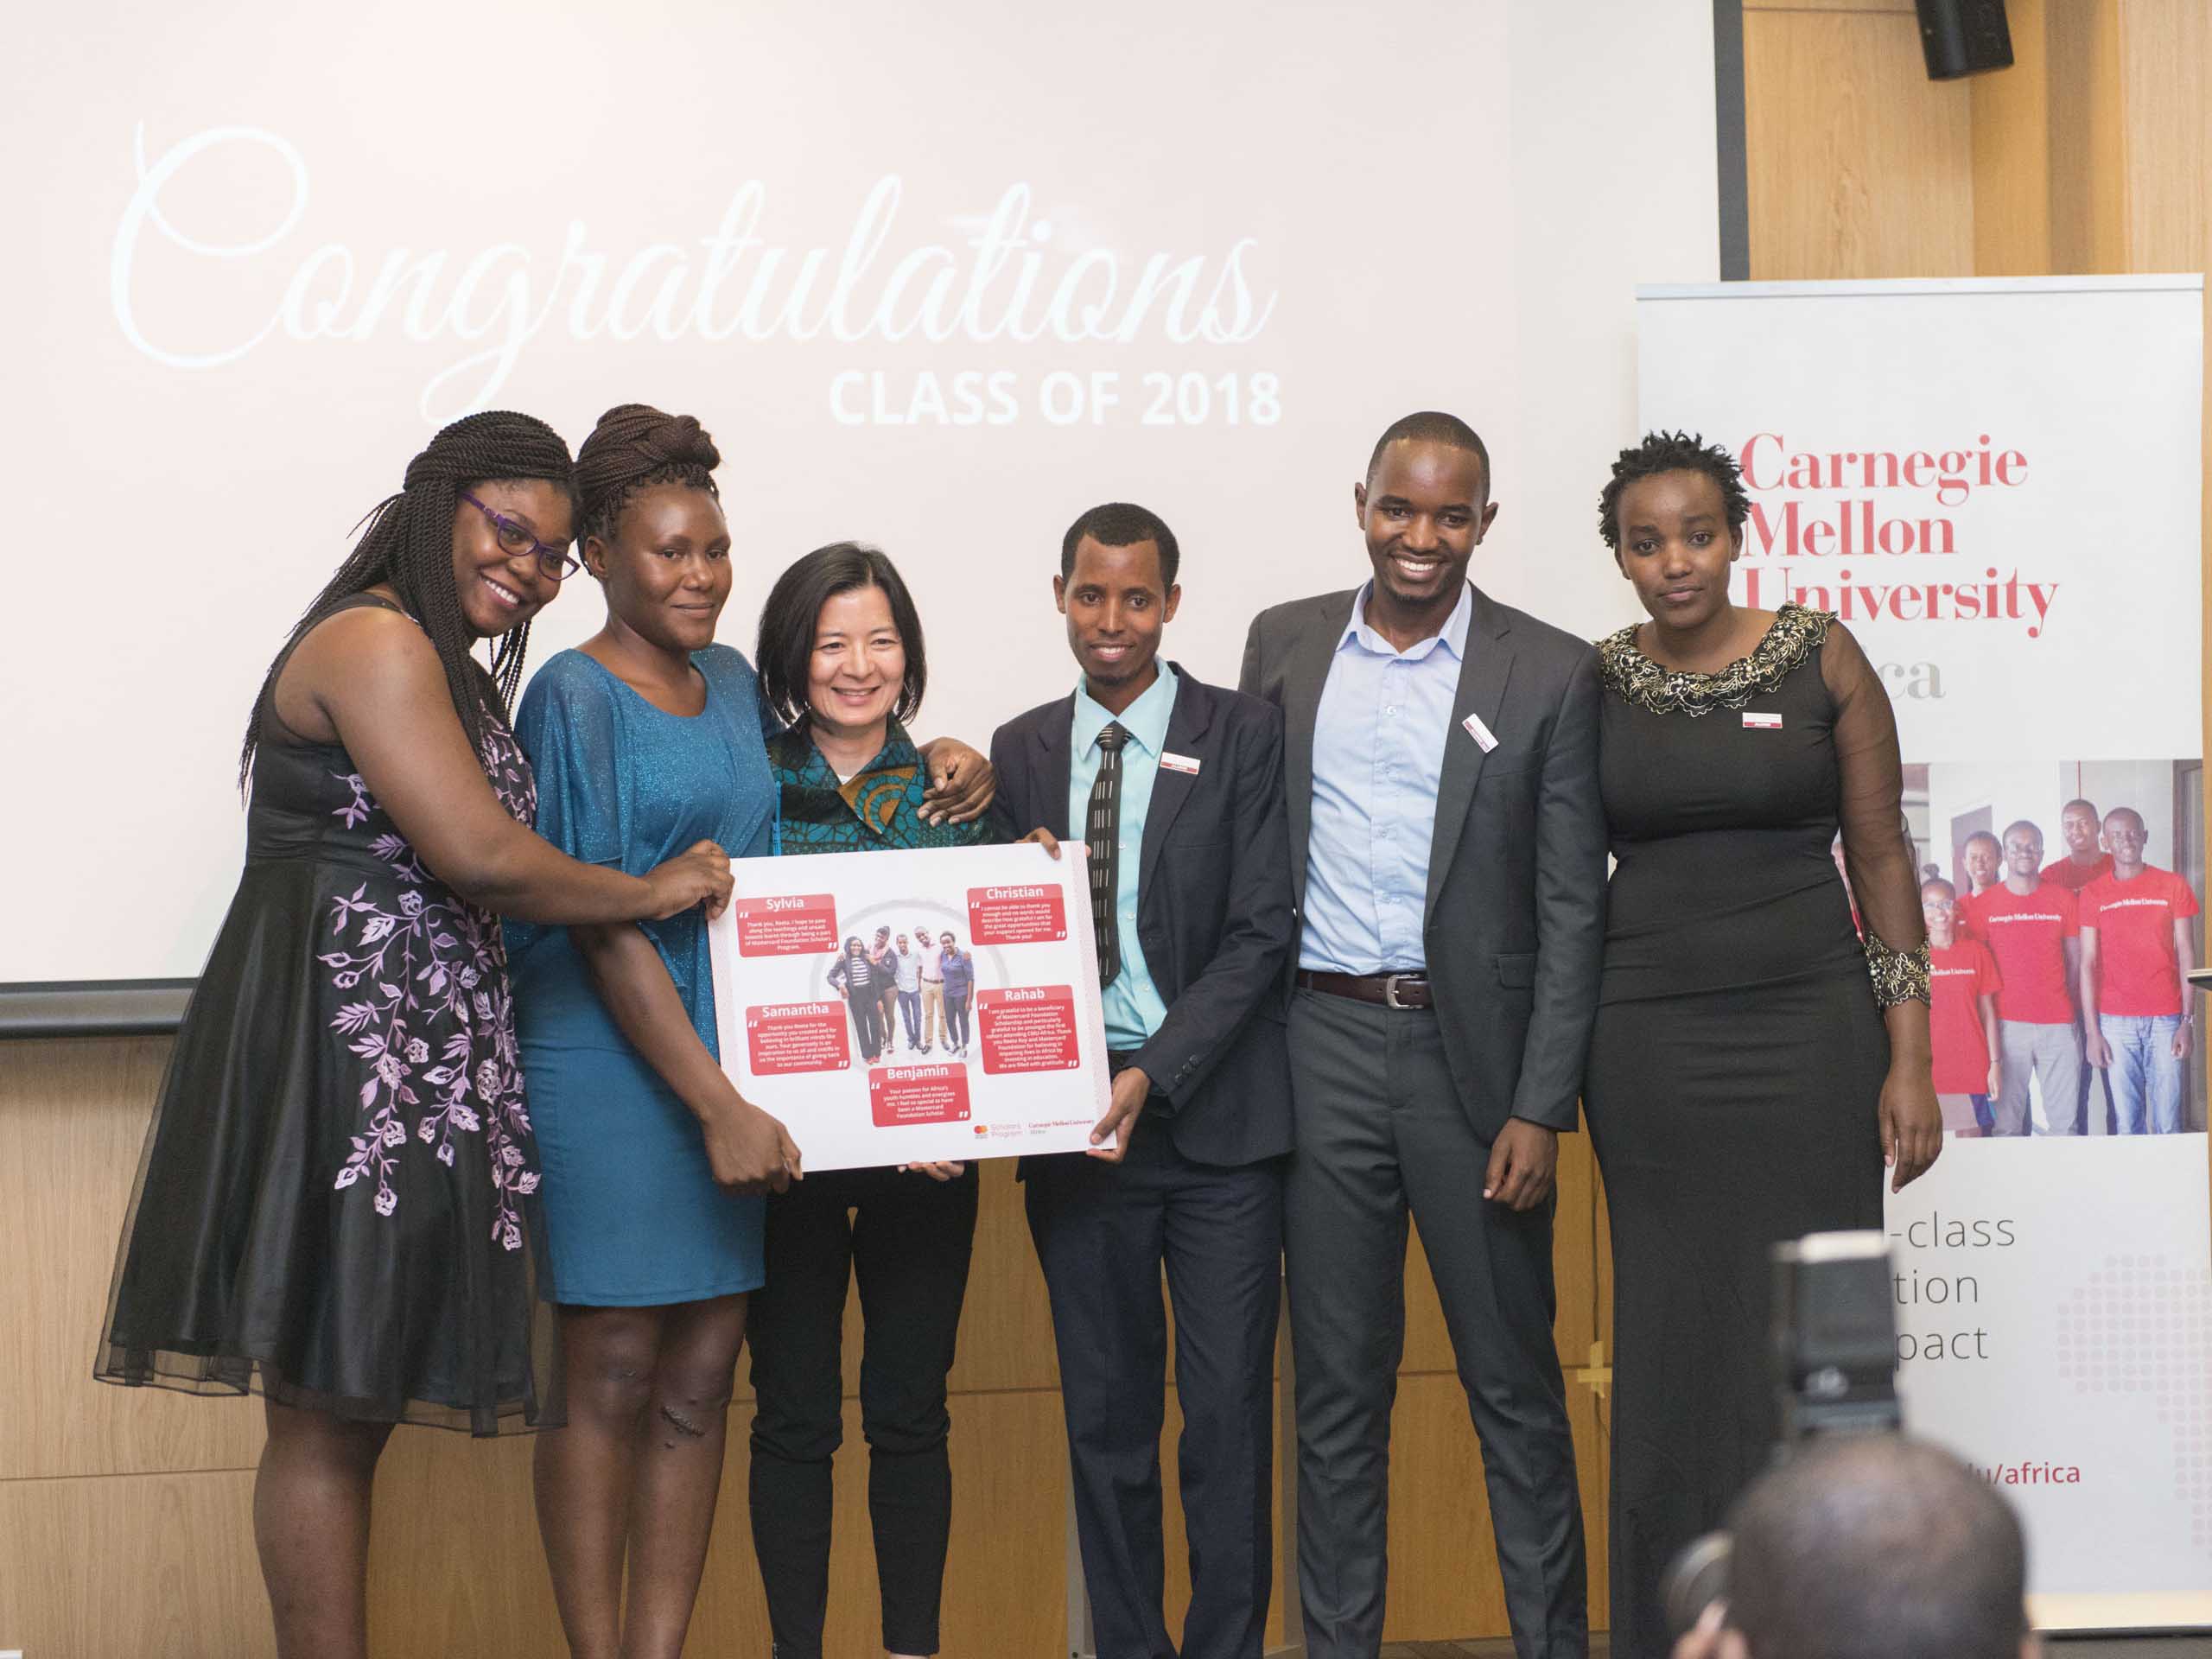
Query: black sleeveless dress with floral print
{"x": 333, "y": 1205}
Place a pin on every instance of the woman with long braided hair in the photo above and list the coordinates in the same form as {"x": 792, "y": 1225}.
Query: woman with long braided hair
{"x": 331, "y": 1205}
{"x": 647, "y": 737}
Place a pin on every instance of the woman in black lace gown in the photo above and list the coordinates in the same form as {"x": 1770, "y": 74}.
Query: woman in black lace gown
{"x": 1756, "y": 1062}
{"x": 331, "y": 1204}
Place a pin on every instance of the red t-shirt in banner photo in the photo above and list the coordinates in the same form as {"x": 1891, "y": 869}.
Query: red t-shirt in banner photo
{"x": 1962, "y": 973}
{"x": 2137, "y": 973}
{"x": 2028, "y": 937}
{"x": 2074, "y": 877}
{"x": 1966, "y": 917}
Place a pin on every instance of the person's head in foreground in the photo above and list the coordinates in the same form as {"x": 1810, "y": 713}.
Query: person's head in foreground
{"x": 1873, "y": 1548}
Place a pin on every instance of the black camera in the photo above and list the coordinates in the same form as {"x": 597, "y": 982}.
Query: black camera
{"x": 1835, "y": 1358}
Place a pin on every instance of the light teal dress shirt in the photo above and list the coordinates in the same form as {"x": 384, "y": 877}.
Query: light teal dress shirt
{"x": 1134, "y": 1009}
{"x": 1378, "y": 757}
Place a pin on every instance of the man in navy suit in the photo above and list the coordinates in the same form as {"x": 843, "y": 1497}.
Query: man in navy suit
{"x": 1177, "y": 788}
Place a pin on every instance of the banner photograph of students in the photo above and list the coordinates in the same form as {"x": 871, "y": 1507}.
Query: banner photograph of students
{"x": 2064, "y": 914}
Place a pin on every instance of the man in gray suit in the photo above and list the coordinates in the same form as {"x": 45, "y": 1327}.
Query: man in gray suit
{"x": 1448, "y": 853}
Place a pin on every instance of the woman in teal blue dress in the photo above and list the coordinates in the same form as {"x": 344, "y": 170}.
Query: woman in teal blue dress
{"x": 655, "y": 1167}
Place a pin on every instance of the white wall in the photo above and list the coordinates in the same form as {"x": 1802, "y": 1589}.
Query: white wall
{"x": 1438, "y": 202}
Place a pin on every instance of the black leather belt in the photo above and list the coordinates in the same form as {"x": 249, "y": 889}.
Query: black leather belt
{"x": 1384, "y": 990}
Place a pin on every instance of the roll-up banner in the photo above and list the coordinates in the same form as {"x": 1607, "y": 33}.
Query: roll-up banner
{"x": 1995, "y": 485}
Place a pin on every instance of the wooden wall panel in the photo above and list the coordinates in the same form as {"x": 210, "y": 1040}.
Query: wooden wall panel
{"x": 142, "y": 1566}
{"x": 72, "y": 1120}
{"x": 1006, "y": 1327}
{"x": 2164, "y": 50}
{"x": 2012, "y": 146}
{"x": 1857, "y": 165}
{"x": 2088, "y": 152}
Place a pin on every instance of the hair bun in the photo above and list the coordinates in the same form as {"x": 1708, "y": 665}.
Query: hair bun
{"x": 680, "y": 441}
{"x": 633, "y": 443}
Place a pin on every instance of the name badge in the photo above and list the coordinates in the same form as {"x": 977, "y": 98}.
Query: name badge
{"x": 1755, "y": 722}
{"x": 1175, "y": 762}
{"x": 1482, "y": 735}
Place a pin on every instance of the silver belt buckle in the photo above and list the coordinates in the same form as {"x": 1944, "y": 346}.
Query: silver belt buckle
{"x": 1390, "y": 991}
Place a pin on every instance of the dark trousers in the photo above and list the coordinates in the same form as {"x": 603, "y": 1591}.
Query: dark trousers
{"x": 866, "y": 1010}
{"x": 906, "y": 1238}
{"x": 956, "y": 1020}
{"x": 1382, "y": 1136}
{"x": 910, "y": 1010}
{"x": 1104, "y": 1233}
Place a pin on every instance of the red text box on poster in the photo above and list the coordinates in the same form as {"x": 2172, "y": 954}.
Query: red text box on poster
{"x": 1030, "y": 1028}
{"x": 1018, "y": 915}
{"x": 781, "y": 1038}
{"x": 918, "y": 1094}
{"x": 786, "y": 924}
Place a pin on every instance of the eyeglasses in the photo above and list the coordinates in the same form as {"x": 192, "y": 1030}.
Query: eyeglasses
{"x": 516, "y": 539}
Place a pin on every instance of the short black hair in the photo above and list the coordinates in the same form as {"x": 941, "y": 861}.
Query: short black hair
{"x": 1877, "y": 1548}
{"x": 1123, "y": 523}
{"x": 1672, "y": 452}
{"x": 793, "y": 610}
{"x": 1432, "y": 425}
{"x": 1943, "y": 882}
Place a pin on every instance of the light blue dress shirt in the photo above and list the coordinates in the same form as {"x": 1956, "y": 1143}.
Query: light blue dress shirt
{"x": 1134, "y": 1009}
{"x": 1378, "y": 755}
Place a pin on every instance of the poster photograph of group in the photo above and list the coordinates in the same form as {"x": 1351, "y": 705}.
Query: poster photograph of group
{"x": 909, "y": 1007}
{"x": 2064, "y": 914}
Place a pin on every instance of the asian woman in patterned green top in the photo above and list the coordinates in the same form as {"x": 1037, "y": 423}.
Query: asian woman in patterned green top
{"x": 842, "y": 665}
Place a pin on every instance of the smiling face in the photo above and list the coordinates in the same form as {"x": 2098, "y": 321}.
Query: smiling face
{"x": 2078, "y": 825}
{"x": 1423, "y": 512}
{"x": 1676, "y": 547}
{"x": 1116, "y": 604}
{"x": 667, "y": 572}
{"x": 2126, "y": 836}
{"x": 1939, "y": 907}
{"x": 2022, "y": 852}
{"x": 859, "y": 662}
{"x": 499, "y": 589}
{"x": 1981, "y": 855}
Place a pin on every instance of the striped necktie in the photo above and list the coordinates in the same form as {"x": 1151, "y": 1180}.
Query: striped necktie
{"x": 1101, "y": 831}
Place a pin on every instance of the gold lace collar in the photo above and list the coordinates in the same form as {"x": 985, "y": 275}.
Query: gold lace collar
{"x": 1794, "y": 635}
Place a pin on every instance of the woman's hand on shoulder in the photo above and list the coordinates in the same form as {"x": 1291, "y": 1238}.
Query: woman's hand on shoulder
{"x": 961, "y": 785}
